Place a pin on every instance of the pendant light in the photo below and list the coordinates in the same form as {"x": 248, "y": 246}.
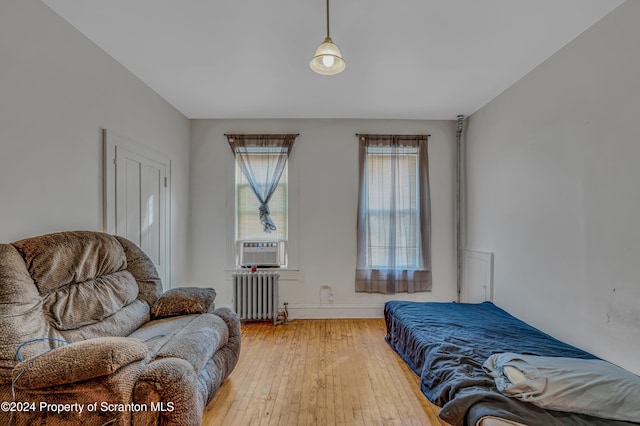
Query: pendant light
{"x": 328, "y": 59}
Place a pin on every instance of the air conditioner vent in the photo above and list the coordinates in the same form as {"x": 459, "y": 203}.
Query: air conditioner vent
{"x": 260, "y": 253}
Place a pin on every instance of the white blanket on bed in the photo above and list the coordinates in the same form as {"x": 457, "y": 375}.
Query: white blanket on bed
{"x": 588, "y": 386}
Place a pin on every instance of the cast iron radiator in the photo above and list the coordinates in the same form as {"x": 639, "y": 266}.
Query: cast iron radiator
{"x": 256, "y": 295}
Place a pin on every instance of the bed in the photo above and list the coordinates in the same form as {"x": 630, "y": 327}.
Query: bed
{"x": 449, "y": 345}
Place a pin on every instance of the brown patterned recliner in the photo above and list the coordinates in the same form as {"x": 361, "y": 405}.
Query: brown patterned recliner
{"x": 88, "y": 338}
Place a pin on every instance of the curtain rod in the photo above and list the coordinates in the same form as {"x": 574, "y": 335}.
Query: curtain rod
{"x": 373, "y": 134}
{"x": 261, "y": 134}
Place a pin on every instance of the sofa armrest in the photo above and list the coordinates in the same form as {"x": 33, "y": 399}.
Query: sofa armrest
{"x": 78, "y": 362}
{"x": 184, "y": 301}
{"x": 231, "y": 351}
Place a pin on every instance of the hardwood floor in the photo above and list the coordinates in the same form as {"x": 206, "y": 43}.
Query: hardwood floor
{"x": 320, "y": 372}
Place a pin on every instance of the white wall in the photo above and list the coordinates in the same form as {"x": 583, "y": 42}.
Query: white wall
{"x": 553, "y": 179}
{"x": 325, "y": 159}
{"x": 57, "y": 90}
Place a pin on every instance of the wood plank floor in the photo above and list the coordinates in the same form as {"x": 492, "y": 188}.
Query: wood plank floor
{"x": 320, "y": 372}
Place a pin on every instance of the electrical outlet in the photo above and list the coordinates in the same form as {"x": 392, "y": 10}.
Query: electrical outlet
{"x": 329, "y": 293}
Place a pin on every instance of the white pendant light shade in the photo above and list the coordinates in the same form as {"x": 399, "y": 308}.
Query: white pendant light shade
{"x": 327, "y": 59}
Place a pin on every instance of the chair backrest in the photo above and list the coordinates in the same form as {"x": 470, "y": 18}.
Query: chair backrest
{"x": 70, "y": 286}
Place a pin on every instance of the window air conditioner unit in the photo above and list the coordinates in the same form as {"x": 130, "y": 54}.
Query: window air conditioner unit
{"x": 259, "y": 253}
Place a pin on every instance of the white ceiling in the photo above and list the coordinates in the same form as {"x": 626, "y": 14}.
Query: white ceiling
{"x": 412, "y": 59}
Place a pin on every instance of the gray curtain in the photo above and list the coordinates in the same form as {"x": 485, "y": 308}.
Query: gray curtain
{"x": 273, "y": 150}
{"x": 394, "y": 240}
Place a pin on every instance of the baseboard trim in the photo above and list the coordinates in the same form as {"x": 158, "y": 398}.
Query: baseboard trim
{"x": 328, "y": 311}
{"x": 334, "y": 311}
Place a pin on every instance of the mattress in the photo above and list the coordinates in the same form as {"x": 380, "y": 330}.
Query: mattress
{"x": 446, "y": 344}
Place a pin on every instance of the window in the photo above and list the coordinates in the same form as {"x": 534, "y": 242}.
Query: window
{"x": 248, "y": 226}
{"x": 393, "y": 215}
{"x": 393, "y": 211}
{"x": 262, "y": 190}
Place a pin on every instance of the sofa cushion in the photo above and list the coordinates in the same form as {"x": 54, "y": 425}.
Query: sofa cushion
{"x": 143, "y": 270}
{"x": 21, "y": 316}
{"x": 184, "y": 301}
{"x": 193, "y": 338}
{"x": 77, "y": 362}
{"x": 60, "y": 259}
{"x": 122, "y": 323}
{"x": 91, "y": 301}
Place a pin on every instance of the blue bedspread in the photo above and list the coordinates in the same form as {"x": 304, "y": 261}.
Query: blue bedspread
{"x": 446, "y": 345}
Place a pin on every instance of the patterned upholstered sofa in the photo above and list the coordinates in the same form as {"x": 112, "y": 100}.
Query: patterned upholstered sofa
{"x": 87, "y": 336}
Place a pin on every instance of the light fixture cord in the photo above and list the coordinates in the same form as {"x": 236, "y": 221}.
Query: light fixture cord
{"x": 328, "y": 19}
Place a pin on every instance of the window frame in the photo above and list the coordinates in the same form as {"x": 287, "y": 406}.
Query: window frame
{"x": 263, "y": 236}
{"x": 292, "y": 243}
{"x": 382, "y": 151}
{"x": 394, "y": 279}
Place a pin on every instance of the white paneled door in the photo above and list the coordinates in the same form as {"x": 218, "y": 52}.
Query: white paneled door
{"x": 136, "y": 202}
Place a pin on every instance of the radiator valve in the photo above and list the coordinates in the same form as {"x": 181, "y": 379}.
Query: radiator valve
{"x": 283, "y": 314}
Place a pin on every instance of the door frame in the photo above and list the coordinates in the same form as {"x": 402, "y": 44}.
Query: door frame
{"x": 111, "y": 141}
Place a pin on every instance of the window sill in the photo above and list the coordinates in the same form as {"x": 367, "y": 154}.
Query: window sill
{"x": 286, "y": 274}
